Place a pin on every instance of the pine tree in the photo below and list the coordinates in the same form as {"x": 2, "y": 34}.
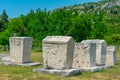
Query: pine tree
{"x": 3, "y": 20}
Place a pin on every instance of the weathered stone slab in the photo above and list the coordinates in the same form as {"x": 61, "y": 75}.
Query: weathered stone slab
{"x": 5, "y": 59}
{"x": 92, "y": 69}
{"x": 100, "y": 51}
{"x": 66, "y": 72}
{"x": 101, "y": 46}
{"x": 19, "y": 64}
{"x": 20, "y": 49}
{"x": 111, "y": 55}
{"x": 4, "y": 55}
{"x": 84, "y": 55}
{"x": 105, "y": 66}
{"x": 58, "y": 52}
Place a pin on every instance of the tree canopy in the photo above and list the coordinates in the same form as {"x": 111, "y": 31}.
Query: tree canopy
{"x": 41, "y": 23}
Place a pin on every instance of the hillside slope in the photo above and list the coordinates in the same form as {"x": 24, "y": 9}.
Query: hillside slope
{"x": 110, "y": 7}
{"x": 112, "y": 11}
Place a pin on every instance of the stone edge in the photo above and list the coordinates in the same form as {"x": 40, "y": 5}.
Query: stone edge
{"x": 20, "y": 64}
{"x": 66, "y": 72}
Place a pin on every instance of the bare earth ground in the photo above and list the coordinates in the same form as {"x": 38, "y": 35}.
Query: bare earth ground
{"x": 25, "y": 73}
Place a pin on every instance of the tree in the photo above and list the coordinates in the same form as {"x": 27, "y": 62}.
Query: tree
{"x": 80, "y": 27}
{"x": 99, "y": 29}
{"x": 3, "y": 25}
{"x": 41, "y": 23}
{"x": 4, "y": 39}
{"x": 3, "y": 20}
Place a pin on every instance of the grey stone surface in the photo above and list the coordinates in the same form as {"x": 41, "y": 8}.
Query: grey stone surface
{"x": 101, "y": 47}
{"x": 58, "y": 52}
{"x": 84, "y": 54}
{"x": 105, "y": 66}
{"x": 5, "y": 58}
{"x": 66, "y": 72}
{"x": 111, "y": 55}
{"x": 20, "y": 64}
{"x": 100, "y": 51}
{"x": 20, "y": 49}
{"x": 92, "y": 69}
{"x": 4, "y": 55}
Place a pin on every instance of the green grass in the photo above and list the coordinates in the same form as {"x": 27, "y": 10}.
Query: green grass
{"x": 25, "y": 73}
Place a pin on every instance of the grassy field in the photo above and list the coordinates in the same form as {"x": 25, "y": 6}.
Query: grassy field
{"x": 25, "y": 73}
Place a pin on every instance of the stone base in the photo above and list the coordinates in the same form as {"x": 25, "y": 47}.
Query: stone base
{"x": 4, "y": 55}
{"x": 106, "y": 66}
{"x": 20, "y": 64}
{"x": 66, "y": 72}
{"x": 5, "y": 60}
{"x": 92, "y": 69}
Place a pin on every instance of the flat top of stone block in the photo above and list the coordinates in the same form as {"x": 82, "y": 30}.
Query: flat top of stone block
{"x": 98, "y": 41}
{"x": 20, "y": 37}
{"x": 86, "y": 41}
{"x": 56, "y": 39}
{"x": 93, "y": 41}
{"x": 111, "y": 48}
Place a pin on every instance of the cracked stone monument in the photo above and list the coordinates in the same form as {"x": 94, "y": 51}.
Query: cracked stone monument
{"x": 111, "y": 55}
{"x": 58, "y": 56}
{"x": 20, "y": 49}
{"x": 85, "y": 56}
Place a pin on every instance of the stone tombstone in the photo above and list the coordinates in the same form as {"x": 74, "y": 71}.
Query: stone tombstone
{"x": 84, "y": 54}
{"x": 100, "y": 51}
{"x": 111, "y": 55}
{"x": 20, "y": 49}
{"x": 58, "y": 52}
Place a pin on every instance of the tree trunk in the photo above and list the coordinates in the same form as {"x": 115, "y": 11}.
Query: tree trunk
{"x": 5, "y": 47}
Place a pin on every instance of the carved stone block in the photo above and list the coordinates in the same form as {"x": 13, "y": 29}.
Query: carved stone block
{"x": 20, "y": 48}
{"x": 58, "y": 52}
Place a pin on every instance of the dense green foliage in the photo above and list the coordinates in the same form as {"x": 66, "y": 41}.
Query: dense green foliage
{"x": 85, "y": 22}
{"x": 41, "y": 23}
